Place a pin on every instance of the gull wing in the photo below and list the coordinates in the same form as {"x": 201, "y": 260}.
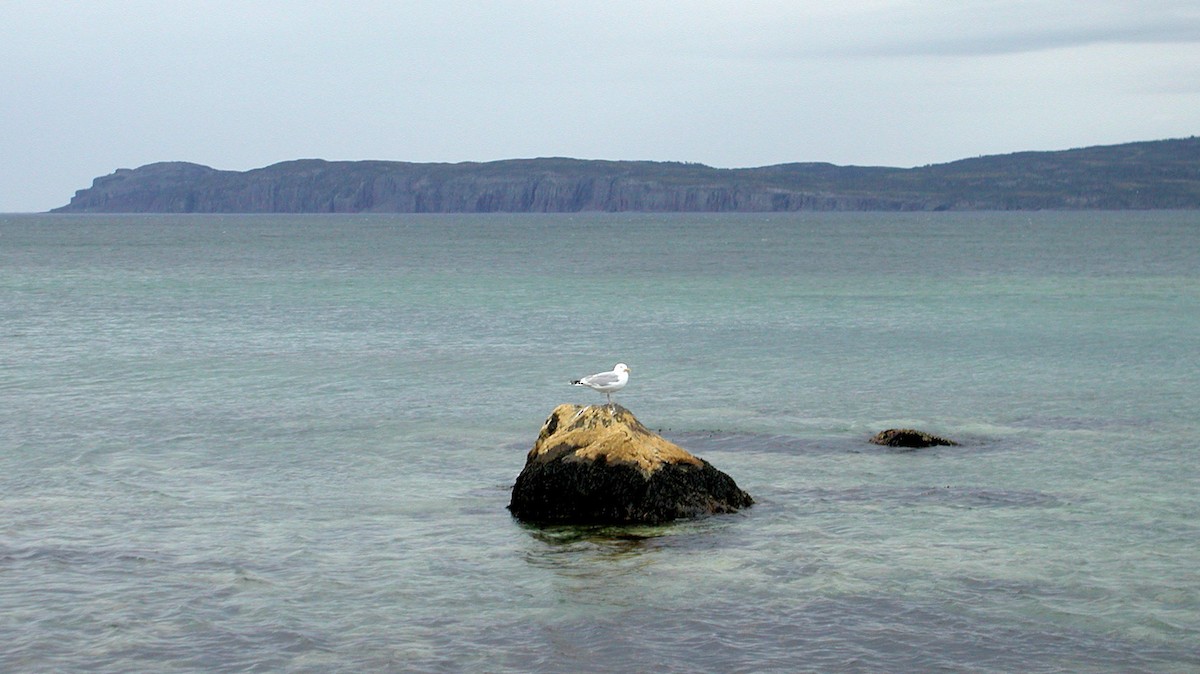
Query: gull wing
{"x": 600, "y": 379}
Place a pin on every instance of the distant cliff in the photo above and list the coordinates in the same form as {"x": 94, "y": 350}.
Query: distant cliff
{"x": 1148, "y": 175}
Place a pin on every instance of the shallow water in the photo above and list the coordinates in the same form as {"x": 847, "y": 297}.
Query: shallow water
{"x": 285, "y": 443}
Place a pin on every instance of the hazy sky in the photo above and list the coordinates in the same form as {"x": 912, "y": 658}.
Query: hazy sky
{"x": 91, "y": 86}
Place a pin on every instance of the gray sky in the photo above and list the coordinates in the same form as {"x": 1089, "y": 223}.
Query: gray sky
{"x": 91, "y": 86}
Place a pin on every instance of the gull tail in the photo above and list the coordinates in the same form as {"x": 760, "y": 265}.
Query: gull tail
{"x": 576, "y": 383}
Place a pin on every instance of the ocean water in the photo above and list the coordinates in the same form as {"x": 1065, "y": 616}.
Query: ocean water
{"x": 286, "y": 443}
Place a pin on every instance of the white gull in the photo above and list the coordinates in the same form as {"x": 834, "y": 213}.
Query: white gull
{"x": 606, "y": 382}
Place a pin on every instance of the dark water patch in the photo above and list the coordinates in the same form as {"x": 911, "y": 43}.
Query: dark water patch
{"x": 613, "y": 537}
{"x": 81, "y": 556}
{"x": 698, "y": 442}
{"x": 703, "y": 533}
{"x": 1080, "y": 423}
{"x": 587, "y": 552}
{"x": 594, "y": 549}
{"x": 949, "y": 496}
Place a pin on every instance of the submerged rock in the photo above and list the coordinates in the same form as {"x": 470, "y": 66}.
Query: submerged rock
{"x": 907, "y": 437}
{"x": 599, "y": 465}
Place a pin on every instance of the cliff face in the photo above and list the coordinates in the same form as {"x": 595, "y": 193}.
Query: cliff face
{"x": 1160, "y": 174}
{"x": 542, "y": 186}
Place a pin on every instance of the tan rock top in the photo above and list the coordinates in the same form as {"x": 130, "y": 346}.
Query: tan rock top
{"x": 610, "y": 432}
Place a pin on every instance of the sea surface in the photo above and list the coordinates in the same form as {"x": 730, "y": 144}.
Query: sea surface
{"x": 286, "y": 443}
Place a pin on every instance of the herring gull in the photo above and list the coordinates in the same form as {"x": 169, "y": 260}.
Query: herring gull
{"x": 606, "y": 382}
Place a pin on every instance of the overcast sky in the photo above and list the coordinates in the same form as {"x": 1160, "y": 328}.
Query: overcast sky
{"x": 91, "y": 86}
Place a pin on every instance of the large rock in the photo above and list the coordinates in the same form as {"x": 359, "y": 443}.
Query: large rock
{"x": 599, "y": 465}
{"x": 908, "y": 438}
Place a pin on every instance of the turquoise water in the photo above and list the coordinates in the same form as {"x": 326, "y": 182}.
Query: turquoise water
{"x": 285, "y": 443}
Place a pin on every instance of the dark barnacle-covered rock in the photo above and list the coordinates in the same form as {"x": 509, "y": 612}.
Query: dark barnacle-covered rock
{"x": 599, "y": 465}
{"x": 908, "y": 438}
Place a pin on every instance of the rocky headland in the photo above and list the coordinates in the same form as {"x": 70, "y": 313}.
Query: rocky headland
{"x": 1148, "y": 175}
